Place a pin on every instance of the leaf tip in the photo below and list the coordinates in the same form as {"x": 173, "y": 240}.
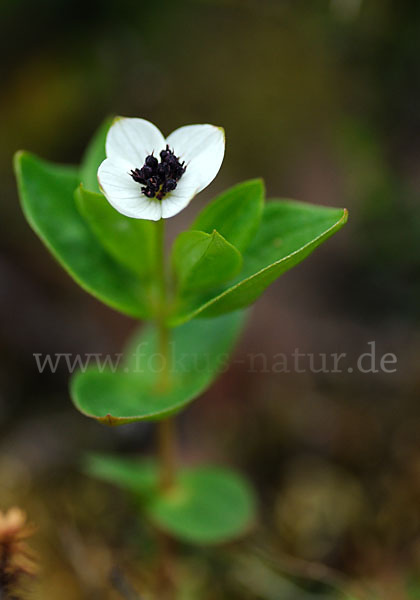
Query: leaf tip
{"x": 108, "y": 419}
{"x": 17, "y": 157}
{"x": 257, "y": 182}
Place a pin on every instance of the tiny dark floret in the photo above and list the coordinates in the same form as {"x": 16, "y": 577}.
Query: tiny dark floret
{"x": 159, "y": 178}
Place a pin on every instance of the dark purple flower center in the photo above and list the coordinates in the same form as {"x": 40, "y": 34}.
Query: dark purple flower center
{"x": 159, "y": 178}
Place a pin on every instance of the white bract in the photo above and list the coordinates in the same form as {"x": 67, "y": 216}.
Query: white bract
{"x": 146, "y": 176}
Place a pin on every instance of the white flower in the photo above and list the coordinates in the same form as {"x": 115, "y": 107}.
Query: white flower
{"x": 145, "y": 176}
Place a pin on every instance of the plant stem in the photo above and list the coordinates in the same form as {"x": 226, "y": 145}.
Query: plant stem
{"x": 165, "y": 428}
{"x": 161, "y": 267}
{"x": 166, "y": 446}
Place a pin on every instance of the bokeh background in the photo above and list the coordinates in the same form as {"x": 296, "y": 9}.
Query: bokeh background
{"x": 322, "y": 100}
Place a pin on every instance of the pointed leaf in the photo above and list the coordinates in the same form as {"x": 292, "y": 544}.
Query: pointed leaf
{"x": 235, "y": 214}
{"x": 46, "y": 192}
{"x": 132, "y": 242}
{"x": 289, "y": 232}
{"x": 207, "y": 505}
{"x": 94, "y": 155}
{"x": 198, "y": 351}
{"x": 202, "y": 261}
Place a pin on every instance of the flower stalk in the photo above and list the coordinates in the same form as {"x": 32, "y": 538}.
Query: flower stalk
{"x": 166, "y": 443}
{"x": 165, "y": 428}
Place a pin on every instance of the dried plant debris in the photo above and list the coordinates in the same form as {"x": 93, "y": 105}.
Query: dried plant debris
{"x": 16, "y": 559}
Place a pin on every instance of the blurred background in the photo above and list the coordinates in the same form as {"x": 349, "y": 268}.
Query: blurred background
{"x": 322, "y": 100}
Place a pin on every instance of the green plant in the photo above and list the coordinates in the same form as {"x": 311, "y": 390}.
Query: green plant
{"x": 195, "y": 302}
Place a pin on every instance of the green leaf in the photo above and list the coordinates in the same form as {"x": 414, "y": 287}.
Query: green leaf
{"x": 137, "y": 476}
{"x": 94, "y": 155}
{"x": 207, "y": 505}
{"x": 132, "y": 242}
{"x": 235, "y": 214}
{"x": 289, "y": 232}
{"x": 198, "y": 351}
{"x": 202, "y": 261}
{"x": 46, "y": 192}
